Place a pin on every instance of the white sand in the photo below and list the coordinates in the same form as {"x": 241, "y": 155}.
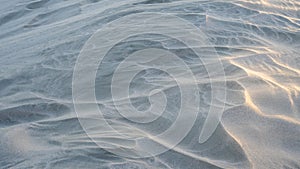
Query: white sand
{"x": 258, "y": 42}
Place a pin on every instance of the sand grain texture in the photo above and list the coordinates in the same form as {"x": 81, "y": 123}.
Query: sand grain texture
{"x": 258, "y": 43}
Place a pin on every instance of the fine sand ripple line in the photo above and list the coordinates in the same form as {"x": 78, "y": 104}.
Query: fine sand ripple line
{"x": 36, "y": 4}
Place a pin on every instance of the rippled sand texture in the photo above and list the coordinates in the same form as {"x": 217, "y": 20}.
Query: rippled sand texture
{"x": 258, "y": 42}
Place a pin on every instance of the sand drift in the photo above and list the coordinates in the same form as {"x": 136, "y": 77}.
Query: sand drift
{"x": 149, "y": 84}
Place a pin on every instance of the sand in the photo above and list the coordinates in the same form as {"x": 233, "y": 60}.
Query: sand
{"x": 257, "y": 42}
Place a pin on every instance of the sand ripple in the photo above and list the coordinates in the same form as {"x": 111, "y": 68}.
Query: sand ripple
{"x": 258, "y": 43}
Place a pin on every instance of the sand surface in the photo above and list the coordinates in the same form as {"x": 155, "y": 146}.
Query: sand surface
{"x": 257, "y": 41}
